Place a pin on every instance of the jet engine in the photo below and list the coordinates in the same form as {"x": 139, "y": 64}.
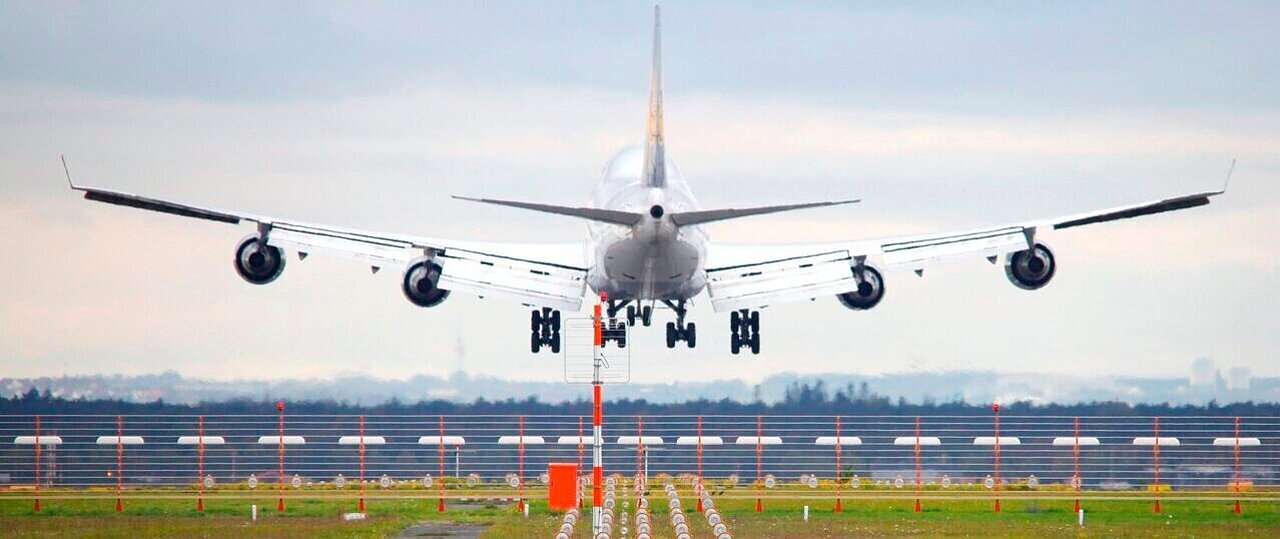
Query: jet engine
{"x": 257, "y": 262}
{"x": 422, "y": 283}
{"x": 1030, "y": 269}
{"x": 870, "y": 289}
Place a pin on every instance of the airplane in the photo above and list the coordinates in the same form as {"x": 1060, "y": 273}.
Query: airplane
{"x": 646, "y": 248}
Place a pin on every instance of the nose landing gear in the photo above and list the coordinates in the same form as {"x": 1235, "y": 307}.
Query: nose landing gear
{"x": 744, "y": 331}
{"x": 545, "y": 326}
{"x": 680, "y": 331}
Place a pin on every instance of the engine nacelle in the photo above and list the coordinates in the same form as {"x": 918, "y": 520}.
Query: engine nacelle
{"x": 421, "y": 283}
{"x": 258, "y": 263}
{"x": 1030, "y": 270}
{"x": 870, "y": 289}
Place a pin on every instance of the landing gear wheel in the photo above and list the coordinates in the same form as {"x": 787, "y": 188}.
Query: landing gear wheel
{"x": 735, "y": 321}
{"x": 755, "y": 343}
{"x": 535, "y": 320}
{"x": 555, "y": 342}
{"x": 735, "y": 343}
{"x": 691, "y": 335}
{"x": 755, "y": 322}
{"x": 671, "y": 335}
{"x": 646, "y": 315}
{"x": 535, "y": 343}
{"x": 544, "y": 330}
{"x": 744, "y": 330}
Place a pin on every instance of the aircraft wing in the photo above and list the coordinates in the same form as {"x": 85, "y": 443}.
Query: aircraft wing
{"x": 752, "y": 276}
{"x": 538, "y": 274}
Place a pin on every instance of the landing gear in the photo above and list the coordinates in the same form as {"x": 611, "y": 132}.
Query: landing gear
{"x": 545, "y": 330}
{"x": 680, "y": 331}
{"x": 643, "y": 314}
{"x": 744, "y": 331}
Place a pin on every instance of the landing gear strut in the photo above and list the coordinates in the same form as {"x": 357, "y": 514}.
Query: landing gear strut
{"x": 545, "y": 325}
{"x": 679, "y": 330}
{"x": 744, "y": 330}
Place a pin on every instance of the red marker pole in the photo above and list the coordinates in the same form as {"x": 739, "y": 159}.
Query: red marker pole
{"x": 520, "y": 465}
{"x": 119, "y": 463}
{"x": 641, "y": 474}
{"x": 37, "y": 462}
{"x": 839, "y": 505}
{"x": 1155, "y": 448}
{"x": 995, "y": 408}
{"x": 360, "y": 508}
{"x": 700, "y": 485}
{"x": 580, "y": 454}
{"x": 1076, "y": 484}
{"x": 918, "y": 508}
{"x": 597, "y": 426}
{"x": 440, "y": 504}
{"x": 1237, "y": 453}
{"x": 200, "y": 464}
{"x": 280, "y": 479}
{"x": 759, "y": 465}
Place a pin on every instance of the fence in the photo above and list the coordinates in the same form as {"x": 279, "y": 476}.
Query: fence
{"x": 738, "y": 456}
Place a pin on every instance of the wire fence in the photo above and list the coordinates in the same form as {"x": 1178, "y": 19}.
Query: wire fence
{"x": 747, "y": 456}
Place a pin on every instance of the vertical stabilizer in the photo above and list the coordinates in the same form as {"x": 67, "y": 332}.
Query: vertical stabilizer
{"x": 655, "y": 170}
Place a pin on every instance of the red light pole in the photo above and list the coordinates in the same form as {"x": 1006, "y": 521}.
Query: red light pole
{"x": 918, "y": 508}
{"x": 200, "y": 464}
{"x": 1237, "y": 457}
{"x": 37, "y": 508}
{"x": 440, "y": 504}
{"x": 1076, "y": 483}
{"x": 360, "y": 508}
{"x": 119, "y": 463}
{"x": 280, "y": 445}
{"x": 995, "y": 409}
{"x": 597, "y": 424}
{"x": 700, "y": 485}
{"x": 839, "y": 504}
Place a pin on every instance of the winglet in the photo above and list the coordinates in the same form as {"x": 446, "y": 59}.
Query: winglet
{"x": 67, "y": 170}
{"x": 1227, "y": 181}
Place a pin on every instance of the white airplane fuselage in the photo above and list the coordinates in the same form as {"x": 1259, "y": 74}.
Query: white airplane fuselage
{"x": 653, "y": 260}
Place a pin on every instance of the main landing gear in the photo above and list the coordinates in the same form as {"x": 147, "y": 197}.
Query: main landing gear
{"x": 744, "y": 331}
{"x": 680, "y": 331}
{"x": 545, "y": 325}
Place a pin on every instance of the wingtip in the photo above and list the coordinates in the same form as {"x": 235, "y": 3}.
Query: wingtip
{"x": 67, "y": 170}
{"x": 1227, "y": 181}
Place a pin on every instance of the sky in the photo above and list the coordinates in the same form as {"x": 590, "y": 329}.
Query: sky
{"x": 940, "y": 116}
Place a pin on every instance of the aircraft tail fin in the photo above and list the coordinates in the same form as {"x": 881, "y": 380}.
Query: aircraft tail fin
{"x": 655, "y": 168}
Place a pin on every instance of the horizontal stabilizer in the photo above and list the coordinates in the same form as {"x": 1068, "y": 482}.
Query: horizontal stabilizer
{"x": 707, "y": 216}
{"x": 616, "y": 217}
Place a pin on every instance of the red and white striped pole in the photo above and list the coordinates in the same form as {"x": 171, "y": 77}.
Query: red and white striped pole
{"x": 37, "y": 458}
{"x": 440, "y": 480}
{"x": 280, "y": 482}
{"x": 700, "y": 485}
{"x": 597, "y": 425}
{"x": 995, "y": 409}
{"x": 119, "y": 463}
{"x": 1155, "y": 449}
{"x": 1075, "y": 484}
{"x": 1236, "y": 483}
{"x": 520, "y": 464}
{"x": 918, "y": 508}
{"x": 200, "y": 464}
{"x": 360, "y": 507}
{"x": 839, "y": 504}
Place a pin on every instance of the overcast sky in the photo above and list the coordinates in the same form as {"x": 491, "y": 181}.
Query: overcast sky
{"x": 939, "y": 116}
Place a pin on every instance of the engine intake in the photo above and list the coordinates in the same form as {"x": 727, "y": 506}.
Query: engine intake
{"x": 258, "y": 263}
{"x": 870, "y": 289}
{"x": 1030, "y": 270}
{"x": 421, "y": 283}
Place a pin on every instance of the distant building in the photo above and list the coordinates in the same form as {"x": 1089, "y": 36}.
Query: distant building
{"x": 1238, "y": 378}
{"x": 1203, "y": 372}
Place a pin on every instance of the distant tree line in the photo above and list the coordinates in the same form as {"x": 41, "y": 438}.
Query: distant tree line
{"x": 799, "y": 398}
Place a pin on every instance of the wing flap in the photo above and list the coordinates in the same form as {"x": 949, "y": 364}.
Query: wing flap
{"x": 531, "y": 283}
{"x": 918, "y": 253}
{"x": 780, "y": 281}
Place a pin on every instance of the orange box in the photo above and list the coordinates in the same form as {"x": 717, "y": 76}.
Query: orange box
{"x": 562, "y": 489}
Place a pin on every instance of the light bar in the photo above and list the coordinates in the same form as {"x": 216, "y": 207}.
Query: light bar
{"x": 1162, "y": 441}
{"x": 31, "y": 440}
{"x": 693, "y": 440}
{"x": 991, "y": 440}
{"x": 634, "y": 440}
{"x": 843, "y": 440}
{"x": 288, "y": 440}
{"x": 448, "y": 440}
{"x": 120, "y": 440}
{"x": 368, "y": 440}
{"x": 515, "y": 440}
{"x": 1231, "y": 442}
{"x": 752, "y": 440}
{"x": 1070, "y": 441}
{"x": 911, "y": 440}
{"x": 196, "y": 440}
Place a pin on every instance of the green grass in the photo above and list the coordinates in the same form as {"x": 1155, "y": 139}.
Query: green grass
{"x": 782, "y": 518}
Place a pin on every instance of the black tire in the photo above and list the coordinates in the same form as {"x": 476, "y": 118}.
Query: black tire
{"x": 755, "y": 321}
{"x": 555, "y": 343}
{"x": 631, "y": 315}
{"x": 755, "y": 344}
{"x": 735, "y": 320}
{"x": 691, "y": 335}
{"x": 535, "y": 320}
{"x": 671, "y": 335}
{"x": 735, "y": 343}
{"x": 622, "y": 340}
{"x": 555, "y": 321}
{"x": 646, "y": 315}
{"x": 535, "y": 344}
